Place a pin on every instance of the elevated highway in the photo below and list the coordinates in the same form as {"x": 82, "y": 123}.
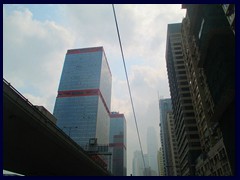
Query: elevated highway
{"x": 34, "y": 146}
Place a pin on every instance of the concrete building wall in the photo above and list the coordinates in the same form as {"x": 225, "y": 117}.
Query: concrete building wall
{"x": 185, "y": 123}
{"x": 208, "y": 38}
{"x": 173, "y": 145}
{"x": 161, "y": 171}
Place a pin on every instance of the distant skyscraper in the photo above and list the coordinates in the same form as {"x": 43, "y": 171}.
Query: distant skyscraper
{"x": 84, "y": 95}
{"x": 165, "y": 106}
{"x": 169, "y": 149}
{"x": 152, "y": 150}
{"x": 117, "y": 144}
{"x": 138, "y": 165}
{"x": 147, "y": 170}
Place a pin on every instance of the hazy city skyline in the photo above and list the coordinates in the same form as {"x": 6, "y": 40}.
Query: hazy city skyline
{"x": 37, "y": 37}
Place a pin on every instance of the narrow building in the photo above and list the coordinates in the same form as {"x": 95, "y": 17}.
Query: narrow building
{"x": 208, "y": 33}
{"x": 118, "y": 144}
{"x": 186, "y": 131}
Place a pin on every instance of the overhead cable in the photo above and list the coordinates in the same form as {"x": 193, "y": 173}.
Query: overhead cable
{"x": 129, "y": 90}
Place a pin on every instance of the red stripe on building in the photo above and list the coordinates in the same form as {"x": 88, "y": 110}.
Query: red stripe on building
{"x": 84, "y": 50}
{"x": 85, "y": 92}
{"x": 104, "y": 103}
{"x": 87, "y": 50}
{"x": 118, "y": 136}
{"x": 120, "y": 145}
{"x": 117, "y": 115}
{"x": 74, "y": 93}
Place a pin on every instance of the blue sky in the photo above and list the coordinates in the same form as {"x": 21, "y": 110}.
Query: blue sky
{"x": 40, "y": 12}
{"x": 37, "y": 37}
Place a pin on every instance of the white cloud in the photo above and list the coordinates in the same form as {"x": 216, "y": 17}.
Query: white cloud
{"x": 143, "y": 33}
{"x": 33, "y": 54}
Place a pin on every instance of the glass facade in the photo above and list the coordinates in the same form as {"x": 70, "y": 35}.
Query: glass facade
{"x": 106, "y": 81}
{"x": 83, "y": 103}
{"x": 165, "y": 106}
{"x": 117, "y": 144}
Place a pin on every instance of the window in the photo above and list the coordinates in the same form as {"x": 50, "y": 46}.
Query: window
{"x": 182, "y": 77}
{"x": 175, "y": 44}
{"x": 189, "y": 114}
{"x": 194, "y": 136}
{"x": 184, "y": 83}
{"x": 179, "y": 62}
{"x": 188, "y": 107}
{"x": 180, "y": 67}
{"x": 195, "y": 144}
{"x": 186, "y": 95}
{"x": 193, "y": 129}
{"x": 178, "y": 52}
{"x": 185, "y": 89}
{"x": 179, "y": 57}
{"x": 177, "y": 48}
{"x": 181, "y": 72}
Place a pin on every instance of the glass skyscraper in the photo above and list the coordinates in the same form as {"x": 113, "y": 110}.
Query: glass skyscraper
{"x": 83, "y": 101}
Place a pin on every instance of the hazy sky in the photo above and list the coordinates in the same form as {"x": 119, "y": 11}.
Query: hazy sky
{"x": 37, "y": 37}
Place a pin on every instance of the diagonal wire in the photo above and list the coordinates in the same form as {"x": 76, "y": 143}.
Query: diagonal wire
{"x": 128, "y": 84}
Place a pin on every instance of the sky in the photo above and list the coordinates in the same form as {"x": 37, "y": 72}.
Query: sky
{"x": 37, "y": 37}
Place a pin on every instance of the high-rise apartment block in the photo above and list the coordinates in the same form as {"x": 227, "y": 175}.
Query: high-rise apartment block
{"x": 83, "y": 101}
{"x": 186, "y": 130}
{"x": 200, "y": 59}
{"x": 118, "y": 144}
{"x": 208, "y": 33}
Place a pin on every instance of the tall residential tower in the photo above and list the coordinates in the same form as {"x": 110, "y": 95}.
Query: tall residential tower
{"x": 186, "y": 129}
{"x": 208, "y": 33}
